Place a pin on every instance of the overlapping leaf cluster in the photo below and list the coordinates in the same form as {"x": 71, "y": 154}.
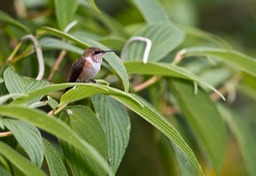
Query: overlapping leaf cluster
{"x": 94, "y": 137}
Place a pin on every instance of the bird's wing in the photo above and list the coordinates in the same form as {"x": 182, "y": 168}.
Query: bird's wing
{"x": 76, "y": 70}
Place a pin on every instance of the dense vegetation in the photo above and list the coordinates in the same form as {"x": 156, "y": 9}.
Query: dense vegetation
{"x": 185, "y": 88}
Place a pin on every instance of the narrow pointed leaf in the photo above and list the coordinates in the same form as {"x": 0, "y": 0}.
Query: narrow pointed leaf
{"x": 164, "y": 69}
{"x": 236, "y": 59}
{"x": 52, "y": 43}
{"x": 55, "y": 127}
{"x": 54, "y": 161}
{"x": 204, "y": 119}
{"x": 116, "y": 124}
{"x": 19, "y": 161}
{"x": 6, "y": 18}
{"x": 29, "y": 138}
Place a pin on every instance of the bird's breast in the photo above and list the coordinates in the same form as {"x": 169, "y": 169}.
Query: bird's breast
{"x": 90, "y": 70}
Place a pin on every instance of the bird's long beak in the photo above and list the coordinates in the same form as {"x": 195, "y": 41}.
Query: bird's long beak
{"x": 107, "y": 51}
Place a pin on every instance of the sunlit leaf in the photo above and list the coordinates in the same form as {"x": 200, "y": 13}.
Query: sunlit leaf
{"x": 116, "y": 124}
{"x": 19, "y": 161}
{"x": 16, "y": 84}
{"x": 204, "y": 118}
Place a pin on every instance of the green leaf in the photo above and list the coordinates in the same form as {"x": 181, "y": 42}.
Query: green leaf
{"x": 239, "y": 60}
{"x": 93, "y": 4}
{"x": 195, "y": 32}
{"x": 204, "y": 118}
{"x": 3, "y": 172}
{"x": 52, "y": 102}
{"x": 6, "y": 18}
{"x": 165, "y": 37}
{"x": 164, "y": 69}
{"x": 112, "y": 59}
{"x": 17, "y": 84}
{"x": 85, "y": 123}
{"x": 5, "y": 98}
{"x": 52, "y": 43}
{"x": 55, "y": 127}
{"x": 116, "y": 124}
{"x": 54, "y": 161}
{"x": 151, "y": 10}
{"x": 19, "y": 161}
{"x": 141, "y": 107}
{"x": 65, "y": 11}
{"x": 29, "y": 138}
{"x": 244, "y": 135}
{"x": 185, "y": 166}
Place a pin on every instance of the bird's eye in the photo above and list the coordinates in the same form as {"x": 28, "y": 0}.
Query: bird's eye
{"x": 97, "y": 52}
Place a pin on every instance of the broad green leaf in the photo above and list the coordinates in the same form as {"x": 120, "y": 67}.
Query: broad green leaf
{"x": 237, "y": 59}
{"x": 52, "y": 43}
{"x": 65, "y": 11}
{"x": 205, "y": 120}
{"x": 19, "y": 161}
{"x": 85, "y": 123}
{"x": 87, "y": 90}
{"x": 3, "y": 172}
{"x": 165, "y": 37}
{"x": 141, "y": 107}
{"x": 244, "y": 135}
{"x": 112, "y": 59}
{"x": 116, "y": 124}
{"x": 6, "y": 18}
{"x": 55, "y": 127}
{"x": 29, "y": 138}
{"x": 54, "y": 161}
{"x": 17, "y": 84}
{"x": 151, "y": 10}
{"x": 164, "y": 69}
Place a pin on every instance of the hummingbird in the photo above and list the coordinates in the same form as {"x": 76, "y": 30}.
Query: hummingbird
{"x": 87, "y": 67}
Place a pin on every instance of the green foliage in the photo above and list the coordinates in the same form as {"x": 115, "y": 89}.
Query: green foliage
{"x": 92, "y": 121}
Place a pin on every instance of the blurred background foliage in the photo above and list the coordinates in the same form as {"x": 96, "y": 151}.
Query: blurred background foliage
{"x": 232, "y": 20}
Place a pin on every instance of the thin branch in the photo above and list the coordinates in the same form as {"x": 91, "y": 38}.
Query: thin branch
{"x": 39, "y": 54}
{"x": 146, "y": 84}
{"x": 56, "y": 64}
{"x": 6, "y": 133}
